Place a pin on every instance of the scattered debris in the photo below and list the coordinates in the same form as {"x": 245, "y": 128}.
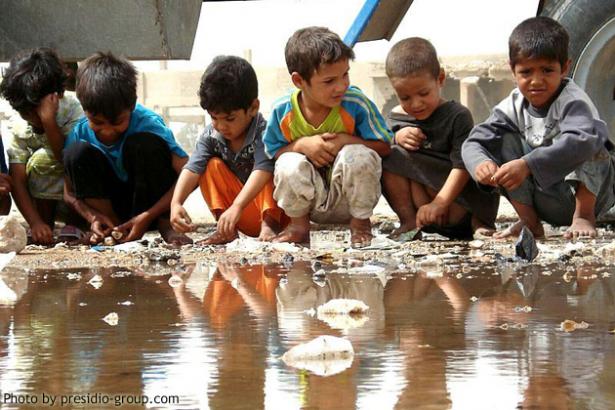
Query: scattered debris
{"x": 96, "y": 282}
{"x": 525, "y": 247}
{"x": 570, "y": 325}
{"x": 522, "y": 309}
{"x": 117, "y": 235}
{"x": 343, "y": 307}
{"x": 476, "y": 244}
{"x": 175, "y": 281}
{"x": 111, "y": 319}
{"x": 13, "y": 236}
{"x": 323, "y": 356}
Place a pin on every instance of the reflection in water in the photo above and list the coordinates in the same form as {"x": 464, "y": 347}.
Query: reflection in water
{"x": 214, "y": 339}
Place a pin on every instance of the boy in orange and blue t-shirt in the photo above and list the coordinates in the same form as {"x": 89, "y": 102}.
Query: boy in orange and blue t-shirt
{"x": 334, "y": 175}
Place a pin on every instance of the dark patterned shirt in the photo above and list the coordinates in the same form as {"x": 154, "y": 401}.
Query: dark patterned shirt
{"x": 251, "y": 156}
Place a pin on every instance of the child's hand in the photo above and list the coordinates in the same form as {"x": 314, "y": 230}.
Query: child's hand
{"x": 410, "y": 138}
{"x": 134, "y": 228}
{"x": 48, "y": 108}
{"x": 101, "y": 225}
{"x": 6, "y": 184}
{"x": 512, "y": 174}
{"x": 317, "y": 149}
{"x": 432, "y": 213}
{"x": 228, "y": 221}
{"x": 484, "y": 173}
{"x": 42, "y": 233}
{"x": 180, "y": 220}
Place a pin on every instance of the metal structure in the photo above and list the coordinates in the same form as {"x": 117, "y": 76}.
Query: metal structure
{"x": 136, "y": 29}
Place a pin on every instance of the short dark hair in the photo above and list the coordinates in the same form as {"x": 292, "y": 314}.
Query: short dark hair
{"x": 229, "y": 83}
{"x": 538, "y": 37}
{"x": 411, "y": 56}
{"x": 30, "y": 76}
{"x": 107, "y": 85}
{"x": 310, "y": 47}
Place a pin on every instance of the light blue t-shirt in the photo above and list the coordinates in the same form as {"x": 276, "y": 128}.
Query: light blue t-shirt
{"x": 142, "y": 120}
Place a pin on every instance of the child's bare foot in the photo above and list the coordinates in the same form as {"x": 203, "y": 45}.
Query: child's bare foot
{"x": 580, "y": 227}
{"x": 360, "y": 232}
{"x": 170, "y": 236}
{"x": 514, "y": 230}
{"x": 403, "y": 228}
{"x": 269, "y": 229}
{"x": 298, "y": 231}
{"x": 480, "y": 230}
{"x": 217, "y": 239}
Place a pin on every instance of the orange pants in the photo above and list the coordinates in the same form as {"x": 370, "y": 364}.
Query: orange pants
{"x": 220, "y": 187}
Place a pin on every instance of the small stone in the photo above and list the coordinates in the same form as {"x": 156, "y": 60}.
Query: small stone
{"x": 13, "y": 236}
{"x": 473, "y": 298}
{"x": 172, "y": 262}
{"x": 117, "y": 235}
{"x": 109, "y": 241}
{"x": 476, "y": 244}
{"x": 287, "y": 260}
{"x": 96, "y": 282}
{"x": 175, "y": 281}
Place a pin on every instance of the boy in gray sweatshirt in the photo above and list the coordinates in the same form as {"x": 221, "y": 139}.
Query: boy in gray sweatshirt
{"x": 545, "y": 147}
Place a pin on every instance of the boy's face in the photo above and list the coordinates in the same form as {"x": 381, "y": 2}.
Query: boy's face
{"x": 234, "y": 125}
{"x": 109, "y": 132}
{"x": 419, "y": 94}
{"x": 539, "y": 79}
{"x": 327, "y": 85}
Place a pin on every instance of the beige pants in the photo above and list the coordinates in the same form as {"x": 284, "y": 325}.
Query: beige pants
{"x": 353, "y": 192}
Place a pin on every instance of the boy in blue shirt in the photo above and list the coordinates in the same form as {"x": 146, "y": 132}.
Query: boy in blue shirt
{"x": 121, "y": 161}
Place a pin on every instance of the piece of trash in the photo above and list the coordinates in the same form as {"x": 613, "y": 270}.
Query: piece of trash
{"x": 343, "y": 307}
{"x": 409, "y": 236}
{"x": 73, "y": 276}
{"x": 13, "y": 236}
{"x": 175, "y": 281}
{"x": 323, "y": 356}
{"x": 343, "y": 314}
{"x": 96, "y": 282}
{"x": 524, "y": 309}
{"x": 117, "y": 235}
{"x": 82, "y": 304}
{"x": 129, "y": 247}
{"x": 473, "y": 298}
{"x": 476, "y": 244}
{"x": 570, "y": 325}
{"x": 316, "y": 266}
{"x": 108, "y": 241}
{"x": 125, "y": 303}
{"x": 111, "y": 319}
{"x": 525, "y": 247}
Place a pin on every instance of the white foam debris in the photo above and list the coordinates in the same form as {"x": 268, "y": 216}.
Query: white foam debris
{"x": 111, "y": 319}
{"x": 13, "y": 236}
{"x": 343, "y": 307}
{"x": 96, "y": 282}
{"x": 323, "y": 356}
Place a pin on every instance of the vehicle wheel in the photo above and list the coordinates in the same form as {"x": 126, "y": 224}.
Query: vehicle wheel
{"x": 591, "y": 25}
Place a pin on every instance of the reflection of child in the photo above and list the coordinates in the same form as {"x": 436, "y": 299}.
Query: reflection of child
{"x": 334, "y": 175}
{"x": 34, "y": 86}
{"x": 545, "y": 144}
{"x": 121, "y": 161}
{"x": 424, "y": 178}
{"x": 229, "y": 162}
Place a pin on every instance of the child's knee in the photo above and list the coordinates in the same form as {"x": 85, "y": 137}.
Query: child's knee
{"x": 290, "y": 165}
{"x": 145, "y": 145}
{"x": 80, "y": 152}
{"x": 215, "y": 166}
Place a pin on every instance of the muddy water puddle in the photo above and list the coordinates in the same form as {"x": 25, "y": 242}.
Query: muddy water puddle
{"x": 466, "y": 332}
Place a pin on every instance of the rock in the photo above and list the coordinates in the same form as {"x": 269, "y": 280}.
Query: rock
{"x": 525, "y": 247}
{"x": 476, "y": 244}
{"x": 13, "y": 236}
{"x": 323, "y": 356}
{"x": 117, "y": 235}
{"x": 108, "y": 241}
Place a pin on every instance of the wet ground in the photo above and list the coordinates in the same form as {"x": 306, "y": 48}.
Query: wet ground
{"x": 449, "y": 326}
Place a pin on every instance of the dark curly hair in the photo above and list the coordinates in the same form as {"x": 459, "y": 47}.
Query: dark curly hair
{"x": 229, "y": 83}
{"x": 30, "y": 76}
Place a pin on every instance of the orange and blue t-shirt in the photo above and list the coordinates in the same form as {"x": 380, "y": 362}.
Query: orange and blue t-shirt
{"x": 356, "y": 115}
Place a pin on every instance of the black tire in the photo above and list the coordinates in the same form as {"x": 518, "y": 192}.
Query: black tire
{"x": 582, "y": 19}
